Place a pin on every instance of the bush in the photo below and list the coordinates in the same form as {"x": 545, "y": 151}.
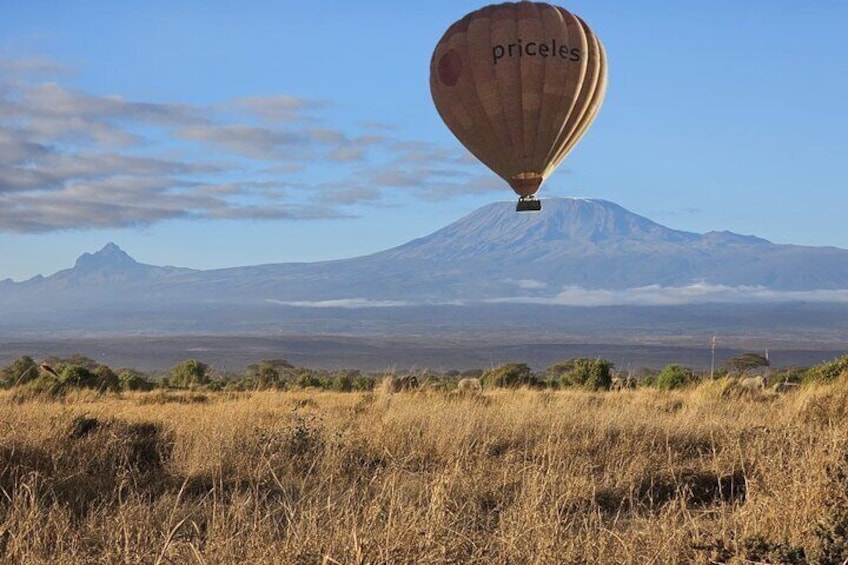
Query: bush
{"x": 308, "y": 380}
{"x": 21, "y": 371}
{"x": 827, "y": 372}
{"x": 188, "y": 373}
{"x": 595, "y": 374}
{"x": 216, "y": 386}
{"x": 674, "y": 376}
{"x": 68, "y": 375}
{"x": 45, "y": 385}
{"x": 78, "y": 376}
{"x": 106, "y": 378}
{"x": 789, "y": 375}
{"x": 240, "y": 385}
{"x": 510, "y": 375}
{"x": 128, "y": 379}
{"x": 363, "y": 383}
{"x": 268, "y": 377}
{"x": 343, "y": 383}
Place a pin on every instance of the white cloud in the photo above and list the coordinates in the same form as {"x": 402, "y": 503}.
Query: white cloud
{"x": 530, "y": 284}
{"x": 32, "y": 66}
{"x": 75, "y": 160}
{"x": 248, "y": 141}
{"x": 14, "y": 149}
{"x": 344, "y": 303}
{"x": 278, "y": 108}
{"x": 655, "y": 295}
{"x": 343, "y": 193}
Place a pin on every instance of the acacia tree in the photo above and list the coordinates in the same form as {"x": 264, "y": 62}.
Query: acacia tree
{"x": 269, "y": 373}
{"x": 267, "y": 376}
{"x": 746, "y": 362}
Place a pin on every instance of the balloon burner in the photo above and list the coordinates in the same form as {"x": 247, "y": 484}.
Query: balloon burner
{"x": 528, "y": 204}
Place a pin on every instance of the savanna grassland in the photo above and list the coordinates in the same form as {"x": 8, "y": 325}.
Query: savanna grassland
{"x": 699, "y": 475}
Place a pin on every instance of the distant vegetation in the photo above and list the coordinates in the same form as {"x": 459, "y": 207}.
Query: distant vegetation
{"x": 285, "y": 465}
{"x": 55, "y": 376}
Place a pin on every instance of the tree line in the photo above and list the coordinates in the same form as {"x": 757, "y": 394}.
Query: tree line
{"x": 54, "y": 375}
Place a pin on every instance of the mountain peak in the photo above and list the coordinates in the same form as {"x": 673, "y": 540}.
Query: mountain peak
{"x": 110, "y": 257}
{"x": 594, "y": 220}
{"x": 564, "y": 225}
{"x": 576, "y": 219}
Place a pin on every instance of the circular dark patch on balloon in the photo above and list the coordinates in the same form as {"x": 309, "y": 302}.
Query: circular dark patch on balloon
{"x": 450, "y": 68}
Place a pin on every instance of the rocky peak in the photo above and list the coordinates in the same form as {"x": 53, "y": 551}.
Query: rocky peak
{"x": 109, "y": 258}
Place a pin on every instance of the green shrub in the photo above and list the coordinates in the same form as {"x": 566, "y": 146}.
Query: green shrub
{"x": 188, "y": 373}
{"x": 21, "y": 371}
{"x": 45, "y": 385}
{"x": 78, "y": 376}
{"x": 239, "y": 385}
{"x": 510, "y": 375}
{"x": 343, "y": 383}
{"x": 268, "y": 377}
{"x": 595, "y": 374}
{"x": 216, "y": 385}
{"x": 826, "y": 372}
{"x": 129, "y": 379}
{"x": 71, "y": 375}
{"x": 308, "y": 380}
{"x": 674, "y": 376}
{"x": 789, "y": 375}
{"x": 363, "y": 383}
{"x": 106, "y": 378}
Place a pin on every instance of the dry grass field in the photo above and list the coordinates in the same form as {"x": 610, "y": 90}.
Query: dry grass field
{"x": 521, "y": 476}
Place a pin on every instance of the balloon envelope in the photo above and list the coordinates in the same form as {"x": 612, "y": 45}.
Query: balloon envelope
{"x": 518, "y": 84}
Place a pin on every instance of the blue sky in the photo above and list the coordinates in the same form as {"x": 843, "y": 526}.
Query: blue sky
{"x": 216, "y": 134}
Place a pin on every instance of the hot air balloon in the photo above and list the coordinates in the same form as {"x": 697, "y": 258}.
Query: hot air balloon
{"x": 518, "y": 84}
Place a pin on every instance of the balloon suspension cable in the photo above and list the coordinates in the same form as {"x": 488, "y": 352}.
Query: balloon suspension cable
{"x": 528, "y": 204}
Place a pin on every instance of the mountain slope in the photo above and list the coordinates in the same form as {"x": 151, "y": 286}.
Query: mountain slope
{"x": 492, "y": 254}
{"x": 600, "y": 245}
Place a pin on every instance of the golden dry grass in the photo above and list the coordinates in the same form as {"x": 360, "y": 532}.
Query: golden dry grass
{"x": 695, "y": 476}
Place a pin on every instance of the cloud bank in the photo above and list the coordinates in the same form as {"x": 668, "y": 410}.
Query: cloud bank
{"x": 349, "y": 303}
{"x": 653, "y": 295}
{"x": 75, "y": 160}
